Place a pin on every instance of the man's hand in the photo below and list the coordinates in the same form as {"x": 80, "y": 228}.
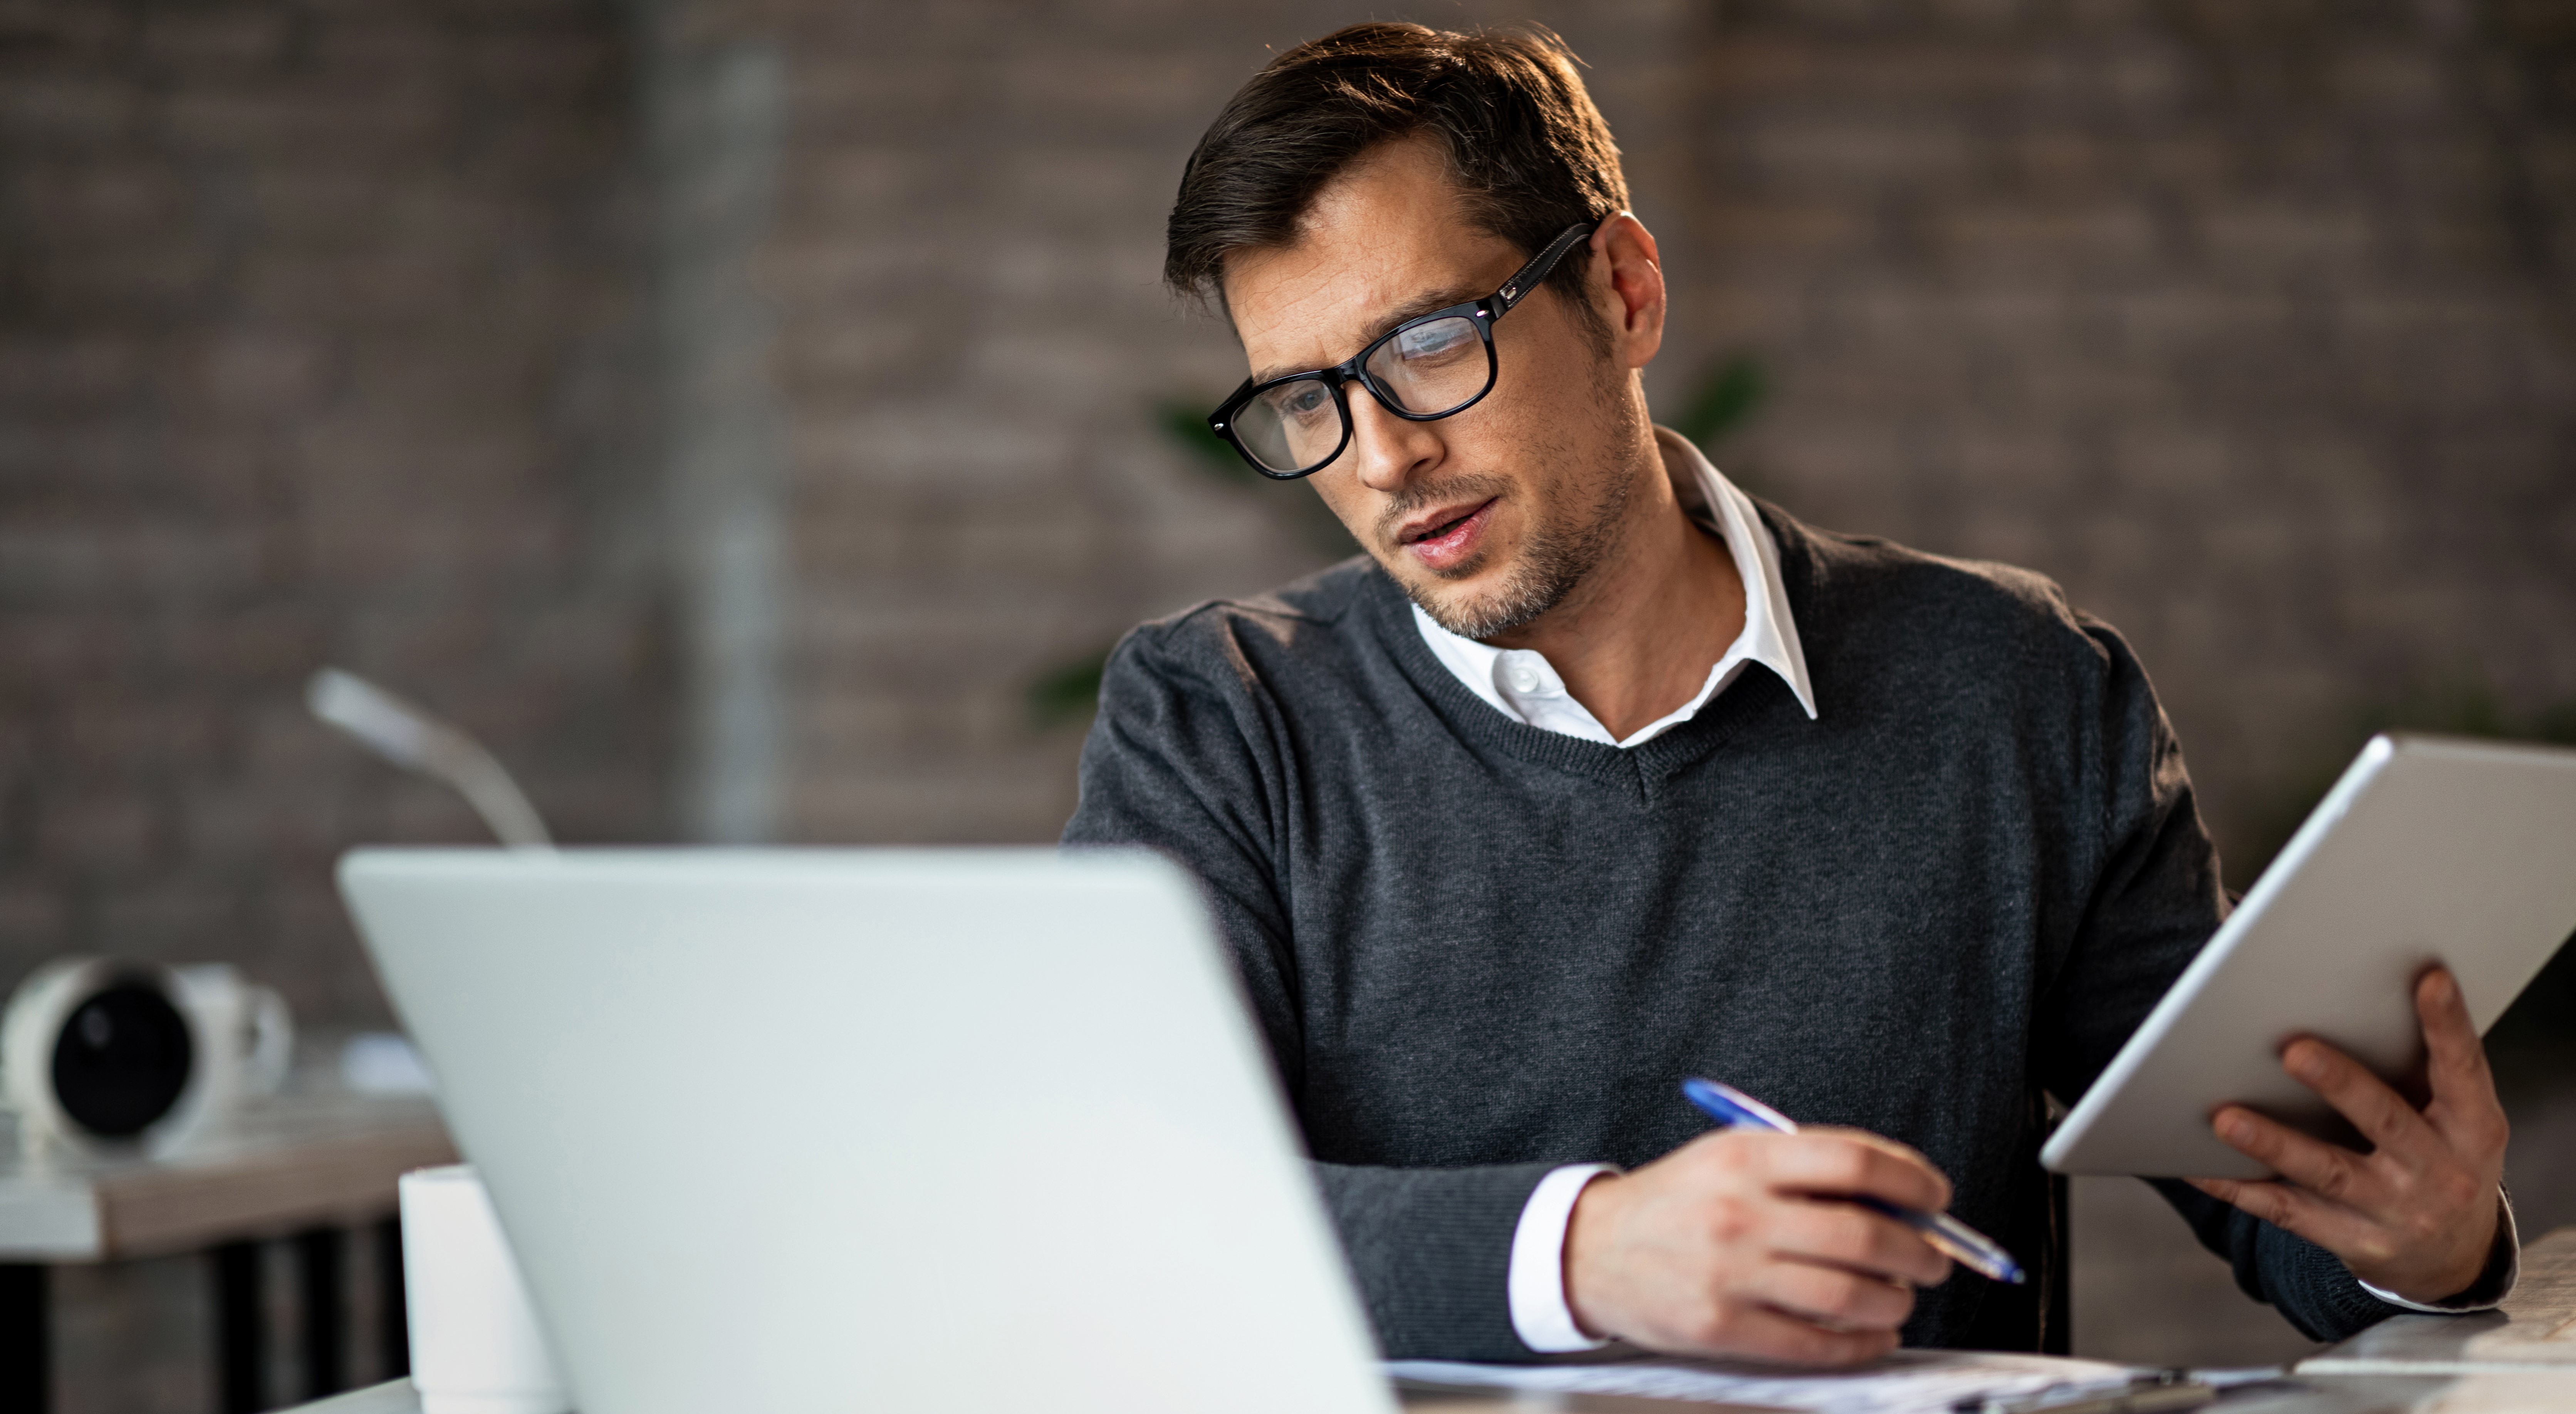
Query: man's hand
{"x": 1733, "y": 1245}
{"x": 2417, "y": 1215}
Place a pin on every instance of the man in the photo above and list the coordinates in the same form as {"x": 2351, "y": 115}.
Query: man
{"x": 1593, "y": 774}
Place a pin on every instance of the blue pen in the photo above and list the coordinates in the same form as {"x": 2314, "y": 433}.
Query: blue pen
{"x": 1956, "y": 1240}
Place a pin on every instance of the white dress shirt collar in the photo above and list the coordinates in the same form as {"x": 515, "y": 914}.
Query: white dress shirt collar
{"x": 1524, "y": 686}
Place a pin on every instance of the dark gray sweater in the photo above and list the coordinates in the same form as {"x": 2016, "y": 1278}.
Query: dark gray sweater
{"x": 1479, "y": 949}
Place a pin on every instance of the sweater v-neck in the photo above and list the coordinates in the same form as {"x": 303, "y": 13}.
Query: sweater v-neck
{"x": 1743, "y": 705}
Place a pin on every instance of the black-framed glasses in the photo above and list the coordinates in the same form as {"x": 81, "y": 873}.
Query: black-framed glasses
{"x": 1433, "y": 366}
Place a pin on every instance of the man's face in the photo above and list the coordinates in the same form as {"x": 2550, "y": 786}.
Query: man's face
{"x": 1489, "y": 518}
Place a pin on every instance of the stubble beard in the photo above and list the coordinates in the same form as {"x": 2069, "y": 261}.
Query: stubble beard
{"x": 1565, "y": 545}
{"x": 1571, "y": 533}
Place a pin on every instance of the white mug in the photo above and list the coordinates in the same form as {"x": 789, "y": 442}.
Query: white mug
{"x": 237, "y": 1040}
{"x": 476, "y": 1347}
{"x": 253, "y": 1034}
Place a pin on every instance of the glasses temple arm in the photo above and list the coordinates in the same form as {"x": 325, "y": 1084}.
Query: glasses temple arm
{"x": 1527, "y": 278}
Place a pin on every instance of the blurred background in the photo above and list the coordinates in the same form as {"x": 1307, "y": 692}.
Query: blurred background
{"x": 754, "y": 420}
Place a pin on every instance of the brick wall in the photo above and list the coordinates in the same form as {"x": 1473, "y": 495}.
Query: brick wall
{"x": 314, "y": 347}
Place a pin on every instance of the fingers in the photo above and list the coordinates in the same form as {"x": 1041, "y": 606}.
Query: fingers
{"x": 1738, "y": 1244}
{"x": 2380, "y": 1113}
{"x": 2328, "y": 1170}
{"x": 2416, "y": 1215}
{"x": 1749, "y": 1330}
{"x": 1839, "y": 1300}
{"x": 1849, "y": 1162}
{"x": 2457, "y": 1059}
{"x": 1842, "y": 1235}
{"x": 2339, "y": 1200}
{"x": 2335, "y": 1229}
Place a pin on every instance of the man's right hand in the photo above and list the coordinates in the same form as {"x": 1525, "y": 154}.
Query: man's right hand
{"x": 1735, "y": 1245}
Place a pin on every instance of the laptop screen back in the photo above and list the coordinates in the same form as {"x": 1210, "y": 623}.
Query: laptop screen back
{"x": 816, "y": 1130}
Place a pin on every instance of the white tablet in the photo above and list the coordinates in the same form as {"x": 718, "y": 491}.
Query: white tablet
{"x": 2430, "y": 849}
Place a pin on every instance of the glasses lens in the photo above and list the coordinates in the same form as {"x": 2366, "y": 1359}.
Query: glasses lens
{"x": 1293, "y": 427}
{"x": 1434, "y": 368}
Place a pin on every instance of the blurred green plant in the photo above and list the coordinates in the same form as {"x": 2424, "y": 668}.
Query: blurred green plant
{"x": 1067, "y": 692}
{"x": 1729, "y": 394}
{"x": 1731, "y": 390}
{"x": 1184, "y": 421}
{"x": 2461, "y": 703}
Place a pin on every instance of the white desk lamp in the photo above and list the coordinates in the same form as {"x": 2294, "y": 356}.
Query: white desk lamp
{"x": 416, "y": 741}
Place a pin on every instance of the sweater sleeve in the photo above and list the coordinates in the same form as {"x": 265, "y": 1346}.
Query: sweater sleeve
{"x": 1190, "y": 757}
{"x": 1181, "y": 761}
{"x": 2154, "y": 898}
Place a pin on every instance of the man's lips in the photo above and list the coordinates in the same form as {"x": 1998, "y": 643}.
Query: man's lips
{"x": 1442, "y": 523}
{"x": 1448, "y": 541}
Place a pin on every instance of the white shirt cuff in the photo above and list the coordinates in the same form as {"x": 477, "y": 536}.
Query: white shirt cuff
{"x": 1541, "y": 1316}
{"x": 2511, "y": 1234}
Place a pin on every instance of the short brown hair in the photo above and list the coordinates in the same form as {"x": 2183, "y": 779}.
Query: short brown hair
{"x": 1525, "y": 145}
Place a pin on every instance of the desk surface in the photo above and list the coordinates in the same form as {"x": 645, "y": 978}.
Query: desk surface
{"x": 285, "y": 1162}
{"x": 2342, "y": 1394}
{"x": 2536, "y": 1327}
{"x": 2519, "y": 1359}
{"x": 398, "y": 1398}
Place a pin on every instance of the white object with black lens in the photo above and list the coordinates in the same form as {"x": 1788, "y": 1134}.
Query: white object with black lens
{"x": 109, "y": 1058}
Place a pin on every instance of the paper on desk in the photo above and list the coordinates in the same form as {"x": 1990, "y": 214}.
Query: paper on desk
{"x": 1907, "y": 1382}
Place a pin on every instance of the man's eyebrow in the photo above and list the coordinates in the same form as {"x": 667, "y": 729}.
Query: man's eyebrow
{"x": 1413, "y": 308}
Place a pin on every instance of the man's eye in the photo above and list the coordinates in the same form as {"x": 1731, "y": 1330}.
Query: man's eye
{"x": 1434, "y": 340}
{"x": 1304, "y": 400}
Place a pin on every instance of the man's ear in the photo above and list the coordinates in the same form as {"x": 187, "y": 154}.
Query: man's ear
{"x": 1628, "y": 288}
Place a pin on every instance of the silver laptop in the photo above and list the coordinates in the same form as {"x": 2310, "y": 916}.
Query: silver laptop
{"x": 857, "y": 1129}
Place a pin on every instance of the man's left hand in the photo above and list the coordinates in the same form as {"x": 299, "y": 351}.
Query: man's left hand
{"x": 2417, "y": 1215}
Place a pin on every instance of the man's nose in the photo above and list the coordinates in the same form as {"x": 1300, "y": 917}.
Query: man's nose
{"x": 1390, "y": 450}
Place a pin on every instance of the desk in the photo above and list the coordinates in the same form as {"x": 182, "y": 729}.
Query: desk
{"x": 396, "y": 1397}
{"x": 2328, "y": 1395}
{"x": 2519, "y": 1359}
{"x": 2536, "y": 1328}
{"x": 307, "y": 1165}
